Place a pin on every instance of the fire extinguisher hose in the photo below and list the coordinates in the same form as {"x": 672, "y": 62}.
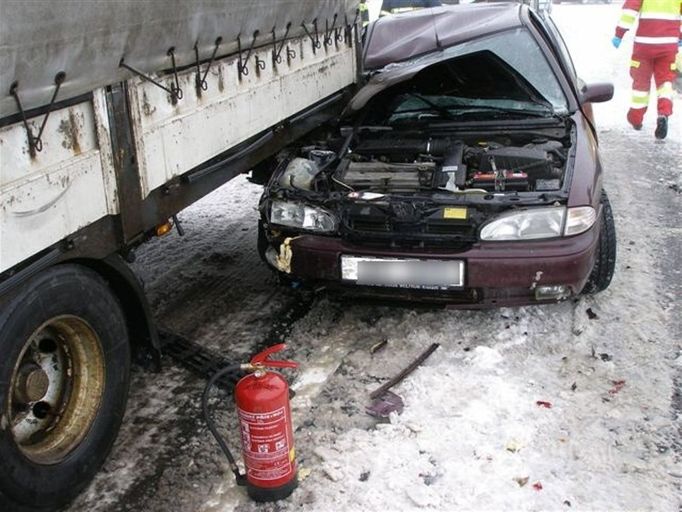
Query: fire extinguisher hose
{"x": 241, "y": 479}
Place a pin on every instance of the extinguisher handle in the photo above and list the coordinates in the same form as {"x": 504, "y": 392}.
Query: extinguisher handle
{"x": 261, "y": 359}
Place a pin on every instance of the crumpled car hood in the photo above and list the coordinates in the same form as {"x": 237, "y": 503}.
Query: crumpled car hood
{"x": 401, "y": 37}
{"x": 423, "y": 36}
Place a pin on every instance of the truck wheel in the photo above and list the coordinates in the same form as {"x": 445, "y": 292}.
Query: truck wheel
{"x": 64, "y": 374}
{"x": 605, "y": 261}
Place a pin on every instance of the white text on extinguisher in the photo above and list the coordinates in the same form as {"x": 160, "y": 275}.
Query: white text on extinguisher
{"x": 265, "y": 444}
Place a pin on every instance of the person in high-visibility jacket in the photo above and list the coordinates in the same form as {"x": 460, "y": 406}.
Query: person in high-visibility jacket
{"x": 364, "y": 12}
{"x": 657, "y": 39}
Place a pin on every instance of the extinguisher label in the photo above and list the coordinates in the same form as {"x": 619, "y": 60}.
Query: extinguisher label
{"x": 265, "y": 443}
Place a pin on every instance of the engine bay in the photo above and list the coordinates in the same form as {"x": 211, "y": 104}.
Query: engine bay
{"x": 383, "y": 163}
{"x": 397, "y": 188}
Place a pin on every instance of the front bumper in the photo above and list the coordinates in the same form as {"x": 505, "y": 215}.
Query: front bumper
{"x": 496, "y": 273}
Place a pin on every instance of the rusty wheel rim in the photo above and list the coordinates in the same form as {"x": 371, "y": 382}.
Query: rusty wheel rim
{"x": 56, "y": 389}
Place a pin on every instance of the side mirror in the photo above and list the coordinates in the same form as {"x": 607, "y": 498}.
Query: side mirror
{"x": 596, "y": 93}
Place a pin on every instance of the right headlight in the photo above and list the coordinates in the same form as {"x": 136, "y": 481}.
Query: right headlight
{"x": 540, "y": 223}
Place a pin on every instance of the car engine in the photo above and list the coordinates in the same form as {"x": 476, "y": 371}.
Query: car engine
{"x": 386, "y": 166}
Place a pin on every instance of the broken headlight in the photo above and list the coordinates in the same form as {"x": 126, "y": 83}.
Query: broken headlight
{"x": 302, "y": 216}
{"x": 539, "y": 223}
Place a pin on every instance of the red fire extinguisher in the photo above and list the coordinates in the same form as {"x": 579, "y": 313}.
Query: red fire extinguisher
{"x": 262, "y": 399}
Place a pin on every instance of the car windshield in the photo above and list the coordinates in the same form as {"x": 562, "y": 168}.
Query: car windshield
{"x": 502, "y": 75}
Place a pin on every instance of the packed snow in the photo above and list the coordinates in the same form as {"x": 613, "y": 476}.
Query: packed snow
{"x": 573, "y": 406}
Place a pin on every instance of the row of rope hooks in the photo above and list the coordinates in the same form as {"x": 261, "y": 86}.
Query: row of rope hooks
{"x": 332, "y": 35}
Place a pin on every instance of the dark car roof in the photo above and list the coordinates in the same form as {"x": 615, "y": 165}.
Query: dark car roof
{"x": 403, "y": 36}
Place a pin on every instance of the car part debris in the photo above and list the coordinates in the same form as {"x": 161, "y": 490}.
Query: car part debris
{"x": 384, "y": 405}
{"x": 617, "y": 386}
{"x": 262, "y": 402}
{"x": 521, "y": 480}
{"x": 284, "y": 257}
{"x": 378, "y": 346}
{"x": 398, "y": 378}
{"x": 303, "y": 473}
{"x": 513, "y": 446}
{"x": 591, "y": 314}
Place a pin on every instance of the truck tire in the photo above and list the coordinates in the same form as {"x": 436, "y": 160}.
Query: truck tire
{"x": 64, "y": 375}
{"x": 605, "y": 261}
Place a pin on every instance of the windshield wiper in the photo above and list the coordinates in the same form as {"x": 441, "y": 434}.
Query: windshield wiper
{"x": 443, "y": 111}
{"x": 502, "y": 110}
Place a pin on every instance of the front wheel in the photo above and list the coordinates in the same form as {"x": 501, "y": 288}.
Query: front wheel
{"x": 605, "y": 260}
{"x": 64, "y": 375}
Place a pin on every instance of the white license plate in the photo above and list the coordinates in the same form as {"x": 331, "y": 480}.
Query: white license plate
{"x": 403, "y": 272}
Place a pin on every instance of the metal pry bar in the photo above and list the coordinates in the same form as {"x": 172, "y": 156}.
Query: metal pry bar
{"x": 409, "y": 369}
{"x": 35, "y": 143}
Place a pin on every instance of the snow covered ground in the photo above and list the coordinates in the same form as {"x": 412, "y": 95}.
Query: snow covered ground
{"x": 472, "y": 435}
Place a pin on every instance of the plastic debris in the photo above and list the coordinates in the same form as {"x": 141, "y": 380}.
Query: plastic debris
{"x": 521, "y": 480}
{"x": 378, "y": 346}
{"x": 591, "y": 314}
{"x": 617, "y": 386}
{"x": 303, "y": 473}
{"x": 513, "y": 446}
{"x": 537, "y": 486}
{"x": 543, "y": 403}
{"x": 384, "y": 405}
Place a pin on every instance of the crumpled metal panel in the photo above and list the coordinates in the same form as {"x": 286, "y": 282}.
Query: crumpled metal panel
{"x": 87, "y": 38}
{"x": 428, "y": 30}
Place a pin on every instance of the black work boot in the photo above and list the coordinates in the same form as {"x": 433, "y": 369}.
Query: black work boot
{"x": 661, "y": 127}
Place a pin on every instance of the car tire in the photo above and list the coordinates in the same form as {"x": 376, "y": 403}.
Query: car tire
{"x": 64, "y": 377}
{"x": 605, "y": 260}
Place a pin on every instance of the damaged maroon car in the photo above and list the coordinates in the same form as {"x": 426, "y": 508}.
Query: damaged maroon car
{"x": 465, "y": 171}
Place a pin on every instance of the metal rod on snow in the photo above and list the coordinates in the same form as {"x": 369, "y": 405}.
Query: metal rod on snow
{"x": 409, "y": 369}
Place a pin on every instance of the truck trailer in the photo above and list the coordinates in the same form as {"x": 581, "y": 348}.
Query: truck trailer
{"x": 114, "y": 117}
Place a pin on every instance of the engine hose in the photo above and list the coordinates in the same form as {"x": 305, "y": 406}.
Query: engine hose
{"x": 241, "y": 479}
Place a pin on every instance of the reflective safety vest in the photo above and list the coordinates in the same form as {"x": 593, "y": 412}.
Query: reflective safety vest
{"x": 659, "y": 23}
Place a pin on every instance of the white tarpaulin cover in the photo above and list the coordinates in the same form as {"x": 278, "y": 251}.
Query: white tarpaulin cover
{"x": 87, "y": 39}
